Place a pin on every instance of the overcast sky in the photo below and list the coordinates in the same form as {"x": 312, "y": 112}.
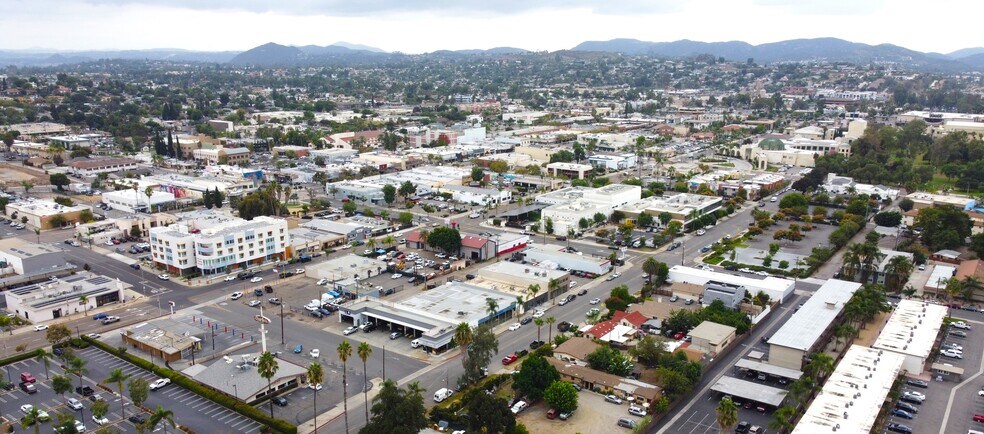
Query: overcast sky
{"x": 416, "y": 26}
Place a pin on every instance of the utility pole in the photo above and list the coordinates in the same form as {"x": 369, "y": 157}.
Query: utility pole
{"x": 282, "y": 341}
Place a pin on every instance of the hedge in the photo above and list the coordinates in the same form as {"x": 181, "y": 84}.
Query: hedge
{"x": 21, "y": 356}
{"x": 197, "y": 388}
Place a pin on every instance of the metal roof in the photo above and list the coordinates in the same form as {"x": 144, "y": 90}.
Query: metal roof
{"x": 765, "y": 368}
{"x": 757, "y": 392}
{"x": 803, "y": 329}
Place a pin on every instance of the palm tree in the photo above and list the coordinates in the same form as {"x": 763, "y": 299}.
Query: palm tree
{"x": 117, "y": 376}
{"x": 800, "y": 389}
{"x": 463, "y": 336}
{"x": 533, "y": 289}
{"x": 820, "y": 365}
{"x": 389, "y": 240}
{"x": 896, "y": 272}
{"x": 344, "y": 352}
{"x": 492, "y": 307}
{"x": 267, "y": 367}
{"x": 45, "y": 358}
{"x": 37, "y": 232}
{"x": 550, "y": 321}
{"x": 539, "y": 323}
{"x": 84, "y": 299}
{"x": 160, "y": 414}
{"x": 843, "y": 331}
{"x": 552, "y": 286}
{"x": 371, "y": 244}
{"x": 76, "y": 366}
{"x": 727, "y": 415}
{"x": 650, "y": 266}
{"x": 784, "y": 419}
{"x": 32, "y": 418}
{"x": 969, "y": 287}
{"x": 364, "y": 352}
{"x": 852, "y": 260}
{"x": 315, "y": 375}
{"x": 149, "y": 191}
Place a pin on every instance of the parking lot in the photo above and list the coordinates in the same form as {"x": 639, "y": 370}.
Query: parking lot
{"x": 593, "y": 415}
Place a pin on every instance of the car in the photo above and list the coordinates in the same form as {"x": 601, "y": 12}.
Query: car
{"x": 538, "y": 314}
{"x": 514, "y": 326}
{"x": 40, "y": 328}
{"x": 26, "y": 377}
{"x": 29, "y": 387}
{"x": 897, "y": 427}
{"x": 922, "y": 267}
{"x": 315, "y": 387}
{"x": 572, "y": 284}
{"x": 907, "y": 407}
{"x": 137, "y": 419}
{"x": 688, "y": 301}
{"x": 236, "y": 295}
{"x": 230, "y": 278}
{"x": 952, "y": 346}
{"x": 953, "y": 354}
{"x": 743, "y": 427}
{"x": 509, "y": 359}
{"x": 163, "y": 276}
{"x": 159, "y": 383}
{"x": 701, "y": 232}
{"x": 519, "y": 407}
{"x": 679, "y": 335}
{"x": 274, "y": 301}
{"x": 280, "y": 401}
{"x": 99, "y": 316}
{"x": 915, "y": 394}
{"x": 594, "y": 301}
{"x": 635, "y": 410}
{"x": 298, "y": 349}
{"x": 110, "y": 319}
{"x": 350, "y": 330}
{"x": 979, "y": 418}
{"x": 613, "y": 399}
{"x": 565, "y": 300}
{"x": 256, "y": 279}
{"x": 674, "y": 298}
{"x": 960, "y": 325}
{"x": 593, "y": 311}
{"x": 100, "y": 420}
{"x": 536, "y": 344}
{"x": 901, "y": 413}
{"x": 552, "y": 413}
{"x": 917, "y": 383}
{"x": 254, "y": 303}
{"x": 74, "y": 404}
{"x": 565, "y": 415}
{"x": 958, "y": 333}
{"x": 368, "y": 327}
{"x": 84, "y": 390}
{"x": 299, "y": 271}
{"x": 315, "y": 353}
{"x": 526, "y": 320}
{"x": 135, "y": 266}
{"x": 563, "y": 326}
{"x": 582, "y": 292}
{"x": 626, "y": 423}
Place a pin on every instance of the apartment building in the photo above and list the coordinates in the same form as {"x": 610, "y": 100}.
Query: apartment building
{"x": 85, "y": 168}
{"x": 231, "y": 244}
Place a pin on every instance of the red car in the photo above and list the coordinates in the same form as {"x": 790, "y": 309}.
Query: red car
{"x": 679, "y": 336}
{"x": 509, "y": 359}
{"x": 26, "y": 377}
{"x": 552, "y": 414}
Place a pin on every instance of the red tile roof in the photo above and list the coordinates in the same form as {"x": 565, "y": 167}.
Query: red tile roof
{"x": 414, "y": 237}
{"x": 474, "y": 242}
{"x": 635, "y": 318}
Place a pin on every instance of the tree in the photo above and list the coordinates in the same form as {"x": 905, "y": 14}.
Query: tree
{"x": 550, "y": 322}
{"x": 499, "y": 166}
{"x": 267, "y": 367}
{"x": 610, "y": 360}
{"x": 167, "y": 416}
{"x": 117, "y": 376}
{"x": 649, "y": 351}
{"x": 897, "y": 272}
{"x": 33, "y": 417}
{"x": 664, "y": 218}
{"x": 906, "y": 204}
{"x": 445, "y": 238}
{"x": 534, "y": 376}
{"x": 364, "y": 351}
{"x": 344, "y": 352}
{"x": 599, "y": 218}
{"x": 316, "y": 375}
{"x": 650, "y": 266}
{"x": 784, "y": 419}
{"x": 100, "y": 408}
{"x": 490, "y": 414}
{"x": 977, "y": 244}
{"x": 397, "y": 411}
{"x": 548, "y": 226}
{"x": 796, "y": 201}
{"x": 139, "y": 390}
{"x": 463, "y": 337}
{"x": 389, "y": 194}
{"x": 644, "y": 220}
{"x": 61, "y": 384}
{"x": 405, "y": 218}
{"x": 820, "y": 365}
{"x": 477, "y": 174}
{"x": 539, "y": 324}
{"x": 673, "y": 228}
{"x": 727, "y": 415}
{"x": 59, "y": 180}
{"x": 207, "y": 199}
{"x": 349, "y": 207}
{"x": 76, "y": 366}
{"x": 484, "y": 345}
{"x": 888, "y": 218}
{"x": 944, "y": 227}
{"x": 407, "y": 189}
{"x": 562, "y": 396}
{"x": 45, "y": 358}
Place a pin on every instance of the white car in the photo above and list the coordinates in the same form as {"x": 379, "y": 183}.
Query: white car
{"x": 159, "y": 383}
{"x": 914, "y": 393}
{"x": 350, "y": 330}
{"x": 514, "y": 326}
{"x": 960, "y": 325}
{"x": 595, "y": 301}
{"x": 314, "y": 386}
{"x": 538, "y": 314}
{"x": 255, "y": 303}
{"x": 40, "y": 328}
{"x": 949, "y": 346}
{"x": 256, "y": 279}
{"x": 572, "y": 284}
{"x": 519, "y": 406}
{"x": 315, "y": 353}
{"x": 100, "y": 420}
{"x": 74, "y": 404}
{"x": 94, "y": 335}
{"x": 299, "y": 271}
{"x": 163, "y": 276}
{"x": 79, "y": 426}
{"x": 322, "y": 282}
{"x": 637, "y": 411}
{"x": 397, "y": 275}
{"x": 236, "y": 295}
{"x": 230, "y": 278}
{"x": 745, "y": 270}
{"x": 952, "y": 354}
{"x": 701, "y": 232}
{"x": 762, "y": 273}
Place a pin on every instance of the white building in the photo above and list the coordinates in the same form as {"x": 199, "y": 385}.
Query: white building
{"x": 845, "y": 185}
{"x": 136, "y": 201}
{"x": 42, "y": 213}
{"x": 554, "y": 256}
{"x": 776, "y": 288}
{"x": 683, "y": 207}
{"x": 569, "y": 205}
{"x": 218, "y": 248}
{"x": 477, "y": 196}
{"x": 811, "y": 326}
{"x": 566, "y": 216}
{"x": 613, "y": 162}
{"x": 911, "y": 331}
{"x": 84, "y": 168}
{"x": 57, "y": 298}
{"x": 570, "y": 170}
{"x": 854, "y": 394}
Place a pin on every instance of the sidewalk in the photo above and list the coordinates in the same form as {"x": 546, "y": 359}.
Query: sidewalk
{"x": 335, "y": 412}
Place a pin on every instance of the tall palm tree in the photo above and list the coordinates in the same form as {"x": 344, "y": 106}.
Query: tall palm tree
{"x": 784, "y": 419}
{"x": 31, "y": 418}
{"x": 843, "y": 331}
{"x": 267, "y": 367}
{"x": 371, "y": 244}
{"x": 727, "y": 415}
{"x": 45, "y": 358}
{"x": 76, "y": 366}
{"x": 799, "y": 390}
{"x": 970, "y": 286}
{"x": 820, "y": 365}
{"x": 315, "y": 375}
{"x": 463, "y": 336}
{"x": 364, "y": 352}
{"x": 896, "y": 272}
{"x": 852, "y": 260}
{"x": 160, "y": 414}
{"x": 552, "y": 286}
{"x": 533, "y": 289}
{"x": 539, "y": 323}
{"x": 344, "y": 352}
{"x": 650, "y": 266}
{"x": 389, "y": 240}
{"x": 117, "y": 376}
{"x": 84, "y": 299}
{"x": 550, "y": 321}
{"x": 492, "y": 307}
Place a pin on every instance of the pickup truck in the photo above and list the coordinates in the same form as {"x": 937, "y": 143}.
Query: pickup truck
{"x": 110, "y": 319}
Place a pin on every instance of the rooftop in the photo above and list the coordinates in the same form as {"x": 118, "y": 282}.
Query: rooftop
{"x": 750, "y": 391}
{"x": 459, "y": 302}
{"x": 803, "y": 329}
{"x": 23, "y": 249}
{"x": 912, "y": 328}
{"x": 65, "y": 289}
{"x": 43, "y": 208}
{"x": 861, "y": 382}
{"x": 712, "y": 331}
{"x": 241, "y": 373}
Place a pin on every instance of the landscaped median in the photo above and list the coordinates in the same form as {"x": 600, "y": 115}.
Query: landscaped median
{"x": 197, "y": 388}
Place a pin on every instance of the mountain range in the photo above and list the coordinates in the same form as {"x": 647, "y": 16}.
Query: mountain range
{"x": 794, "y": 50}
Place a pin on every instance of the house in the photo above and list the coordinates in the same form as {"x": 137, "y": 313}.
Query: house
{"x": 641, "y": 393}
{"x": 576, "y": 350}
{"x": 729, "y": 294}
{"x": 415, "y": 240}
{"x": 622, "y": 328}
{"x": 712, "y": 337}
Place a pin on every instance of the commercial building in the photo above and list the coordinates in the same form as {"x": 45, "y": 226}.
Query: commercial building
{"x": 613, "y": 162}
{"x": 237, "y": 376}
{"x": 570, "y": 170}
{"x": 60, "y": 297}
{"x": 846, "y": 185}
{"x": 683, "y": 207}
{"x": 23, "y": 257}
{"x": 567, "y": 216}
{"x": 921, "y": 199}
{"x": 165, "y": 338}
{"x": 230, "y": 183}
{"x": 912, "y": 331}
{"x": 853, "y": 396}
{"x": 812, "y": 325}
{"x": 45, "y": 214}
{"x": 750, "y": 391}
{"x": 729, "y": 294}
{"x": 711, "y": 337}
{"x": 218, "y": 248}
{"x": 93, "y": 167}
{"x": 128, "y": 200}
{"x": 776, "y": 288}
{"x": 476, "y": 195}
{"x": 554, "y": 256}
{"x": 222, "y": 155}
{"x": 938, "y": 279}
{"x": 568, "y": 206}
{"x": 80, "y": 141}
{"x": 518, "y": 277}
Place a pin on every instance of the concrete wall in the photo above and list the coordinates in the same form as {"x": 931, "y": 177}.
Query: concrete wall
{"x": 786, "y": 357}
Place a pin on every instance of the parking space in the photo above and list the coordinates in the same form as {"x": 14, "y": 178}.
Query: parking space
{"x": 189, "y": 409}
{"x": 593, "y": 415}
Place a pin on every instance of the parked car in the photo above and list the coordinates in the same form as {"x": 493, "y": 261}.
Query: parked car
{"x": 899, "y": 428}
{"x": 280, "y": 401}
{"x": 626, "y": 422}
{"x": 901, "y": 413}
{"x": 565, "y": 415}
{"x": 635, "y": 410}
{"x": 40, "y": 328}
{"x": 84, "y": 390}
{"x": 907, "y": 407}
{"x": 74, "y": 404}
{"x": 29, "y": 387}
{"x": 594, "y": 301}
{"x": 509, "y": 359}
{"x": 137, "y": 419}
{"x": 315, "y": 353}
{"x": 958, "y": 333}
{"x": 298, "y": 349}
{"x": 917, "y": 383}
{"x": 26, "y": 377}
{"x": 519, "y": 407}
{"x": 159, "y": 383}
{"x": 110, "y": 319}
{"x": 514, "y": 326}
{"x": 254, "y": 303}
{"x": 563, "y": 326}
{"x": 613, "y": 399}
{"x": 953, "y": 354}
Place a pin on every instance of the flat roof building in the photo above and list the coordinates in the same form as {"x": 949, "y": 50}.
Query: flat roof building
{"x": 712, "y": 337}
{"x": 42, "y": 214}
{"x": 811, "y": 326}
{"x": 25, "y": 257}
{"x": 554, "y": 256}
{"x": 237, "y": 377}
{"x": 853, "y": 396}
{"x": 776, "y": 288}
{"x": 912, "y": 331}
{"x": 59, "y": 297}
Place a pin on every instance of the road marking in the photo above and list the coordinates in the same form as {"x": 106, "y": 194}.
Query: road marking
{"x": 953, "y": 392}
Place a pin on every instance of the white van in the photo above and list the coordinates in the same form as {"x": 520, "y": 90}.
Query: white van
{"x": 442, "y": 394}
{"x": 415, "y": 343}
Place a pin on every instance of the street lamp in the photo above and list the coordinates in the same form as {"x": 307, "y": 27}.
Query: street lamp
{"x": 282, "y": 341}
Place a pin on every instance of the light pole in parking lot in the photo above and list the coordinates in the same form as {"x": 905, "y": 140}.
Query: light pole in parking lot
{"x": 282, "y": 341}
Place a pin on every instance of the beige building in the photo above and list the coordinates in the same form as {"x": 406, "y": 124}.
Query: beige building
{"x": 222, "y": 155}
{"x": 712, "y": 337}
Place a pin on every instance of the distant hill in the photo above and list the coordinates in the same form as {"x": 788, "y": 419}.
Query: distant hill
{"x": 959, "y": 54}
{"x": 358, "y": 47}
{"x": 974, "y": 60}
{"x": 794, "y": 50}
{"x": 476, "y": 51}
{"x": 270, "y": 54}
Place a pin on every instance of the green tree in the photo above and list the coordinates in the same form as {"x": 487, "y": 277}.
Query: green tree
{"x": 727, "y": 415}
{"x": 316, "y": 375}
{"x": 944, "y": 227}
{"x": 548, "y": 226}
{"x": 344, "y": 352}
{"x": 490, "y": 414}
{"x": 364, "y": 351}
{"x": 784, "y": 419}
{"x": 610, "y": 360}
{"x": 405, "y": 218}
{"x": 61, "y": 384}
{"x": 100, "y": 408}
{"x": 389, "y": 194}
{"x": 59, "y": 180}
{"x": 644, "y": 220}
{"x": 478, "y": 354}
{"x": 267, "y": 367}
{"x": 139, "y": 390}
{"x": 407, "y": 189}
{"x": 499, "y": 166}
{"x": 534, "y": 376}
{"x": 906, "y": 204}
{"x": 397, "y": 411}
{"x": 33, "y": 417}
{"x": 118, "y": 376}
{"x": 477, "y": 173}
{"x": 561, "y": 395}
{"x": 45, "y": 358}
{"x": 650, "y": 350}
{"x": 161, "y": 415}
{"x": 76, "y": 366}
{"x": 445, "y": 238}
{"x": 349, "y": 207}
{"x": 664, "y": 218}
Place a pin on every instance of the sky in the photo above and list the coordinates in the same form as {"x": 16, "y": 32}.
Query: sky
{"x": 419, "y": 26}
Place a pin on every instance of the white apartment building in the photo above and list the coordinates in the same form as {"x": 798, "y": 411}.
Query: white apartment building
{"x": 128, "y": 200}
{"x": 683, "y": 207}
{"x": 613, "y": 162}
{"x": 569, "y": 205}
{"x": 228, "y": 245}
{"x": 477, "y": 196}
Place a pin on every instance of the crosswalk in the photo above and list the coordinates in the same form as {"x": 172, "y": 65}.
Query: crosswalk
{"x": 177, "y": 399}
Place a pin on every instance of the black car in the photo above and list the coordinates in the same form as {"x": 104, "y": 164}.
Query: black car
{"x": 907, "y": 407}
{"x": 317, "y": 314}
{"x": 563, "y": 326}
{"x": 258, "y": 292}
{"x": 280, "y": 400}
{"x": 917, "y": 383}
{"x": 137, "y": 419}
{"x": 730, "y": 267}
{"x": 897, "y": 427}
{"x": 268, "y": 289}
{"x": 526, "y": 320}
{"x": 582, "y": 291}
{"x": 743, "y": 427}
{"x": 536, "y": 344}
{"x": 571, "y": 298}
{"x": 521, "y": 353}
{"x": 901, "y": 413}
{"x": 910, "y": 400}
{"x": 84, "y": 390}
{"x": 286, "y": 274}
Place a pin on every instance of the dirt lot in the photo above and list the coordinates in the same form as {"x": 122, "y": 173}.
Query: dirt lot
{"x": 12, "y": 175}
{"x": 593, "y": 415}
